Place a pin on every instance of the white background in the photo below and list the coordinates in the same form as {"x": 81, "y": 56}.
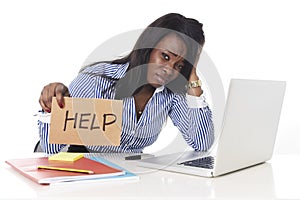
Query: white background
{"x": 47, "y": 41}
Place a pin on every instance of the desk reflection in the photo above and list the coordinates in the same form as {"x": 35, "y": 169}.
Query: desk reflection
{"x": 252, "y": 182}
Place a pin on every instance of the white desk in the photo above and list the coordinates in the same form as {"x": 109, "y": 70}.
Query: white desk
{"x": 278, "y": 178}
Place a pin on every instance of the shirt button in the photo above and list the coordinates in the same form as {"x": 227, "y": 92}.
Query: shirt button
{"x": 132, "y": 132}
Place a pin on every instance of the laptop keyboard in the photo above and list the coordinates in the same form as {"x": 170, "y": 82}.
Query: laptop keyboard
{"x": 206, "y": 162}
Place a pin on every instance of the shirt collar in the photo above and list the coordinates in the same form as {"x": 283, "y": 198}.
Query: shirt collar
{"x": 159, "y": 89}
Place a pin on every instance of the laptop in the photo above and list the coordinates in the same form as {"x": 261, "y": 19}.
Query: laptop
{"x": 247, "y": 136}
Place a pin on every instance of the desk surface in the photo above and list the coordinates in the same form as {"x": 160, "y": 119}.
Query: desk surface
{"x": 277, "y": 178}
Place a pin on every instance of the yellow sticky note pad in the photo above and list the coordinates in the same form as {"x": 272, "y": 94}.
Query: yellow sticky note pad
{"x": 65, "y": 156}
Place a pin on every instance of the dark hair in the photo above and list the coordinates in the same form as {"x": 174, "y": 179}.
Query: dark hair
{"x": 188, "y": 29}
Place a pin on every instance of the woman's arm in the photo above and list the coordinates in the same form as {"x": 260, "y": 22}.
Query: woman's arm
{"x": 192, "y": 115}
{"x": 194, "y": 120}
{"x": 59, "y": 91}
{"x": 88, "y": 84}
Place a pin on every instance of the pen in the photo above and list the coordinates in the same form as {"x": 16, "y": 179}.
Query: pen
{"x": 134, "y": 157}
{"x": 66, "y": 169}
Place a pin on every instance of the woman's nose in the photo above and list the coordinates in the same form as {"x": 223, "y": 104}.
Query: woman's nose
{"x": 168, "y": 69}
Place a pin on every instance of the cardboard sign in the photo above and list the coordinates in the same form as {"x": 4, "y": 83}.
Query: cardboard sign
{"x": 86, "y": 122}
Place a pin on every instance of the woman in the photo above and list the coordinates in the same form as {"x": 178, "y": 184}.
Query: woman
{"x": 152, "y": 81}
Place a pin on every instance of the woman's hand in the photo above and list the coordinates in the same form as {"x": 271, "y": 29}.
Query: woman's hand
{"x": 196, "y": 91}
{"x": 57, "y": 90}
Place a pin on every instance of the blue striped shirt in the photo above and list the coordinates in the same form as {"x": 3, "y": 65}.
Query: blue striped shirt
{"x": 97, "y": 81}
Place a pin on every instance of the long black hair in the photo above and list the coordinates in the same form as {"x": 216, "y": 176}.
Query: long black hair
{"x": 188, "y": 29}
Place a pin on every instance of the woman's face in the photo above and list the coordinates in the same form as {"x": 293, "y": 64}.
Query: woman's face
{"x": 166, "y": 60}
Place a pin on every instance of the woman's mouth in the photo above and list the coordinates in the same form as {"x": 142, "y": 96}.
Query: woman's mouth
{"x": 161, "y": 80}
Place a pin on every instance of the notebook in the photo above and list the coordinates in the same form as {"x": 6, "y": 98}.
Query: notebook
{"x": 247, "y": 136}
{"x": 127, "y": 176}
{"x": 29, "y": 168}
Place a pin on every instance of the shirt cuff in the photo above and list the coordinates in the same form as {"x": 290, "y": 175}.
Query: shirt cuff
{"x": 43, "y": 117}
{"x": 196, "y": 102}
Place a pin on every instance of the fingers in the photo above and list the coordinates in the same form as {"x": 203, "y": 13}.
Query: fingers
{"x": 51, "y": 90}
{"x": 46, "y": 97}
{"x": 61, "y": 91}
{"x": 44, "y": 105}
{"x": 197, "y": 58}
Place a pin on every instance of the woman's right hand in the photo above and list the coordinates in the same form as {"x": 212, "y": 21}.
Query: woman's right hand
{"x": 57, "y": 90}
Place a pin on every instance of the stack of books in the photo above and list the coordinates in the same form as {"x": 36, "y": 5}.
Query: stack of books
{"x": 69, "y": 167}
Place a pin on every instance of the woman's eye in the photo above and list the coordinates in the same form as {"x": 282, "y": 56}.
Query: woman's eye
{"x": 165, "y": 56}
{"x": 179, "y": 66}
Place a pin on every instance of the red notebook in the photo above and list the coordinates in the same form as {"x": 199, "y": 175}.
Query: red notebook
{"x": 29, "y": 168}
